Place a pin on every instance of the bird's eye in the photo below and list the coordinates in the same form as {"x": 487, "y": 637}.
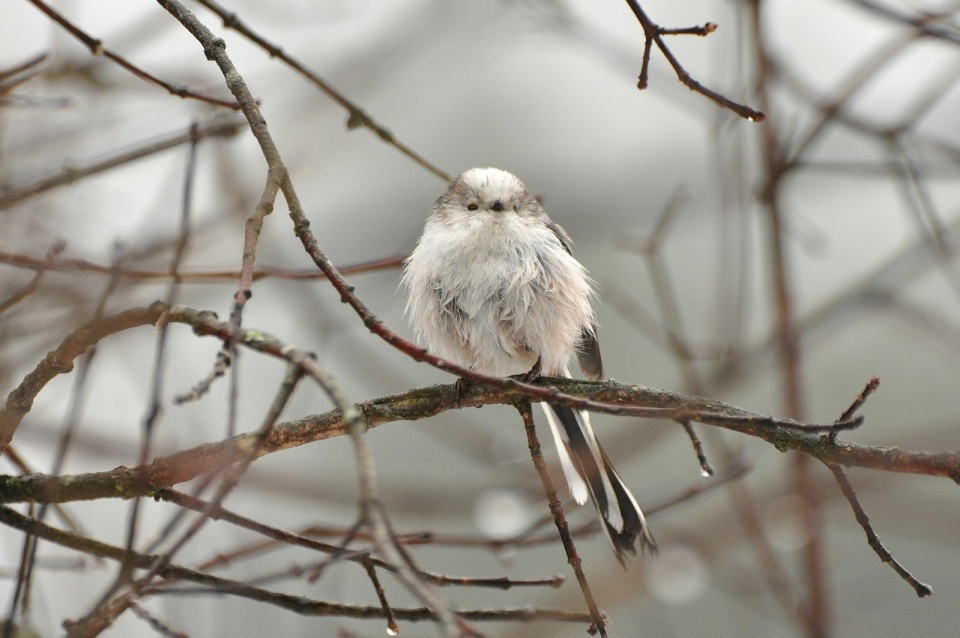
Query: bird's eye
{"x": 472, "y": 206}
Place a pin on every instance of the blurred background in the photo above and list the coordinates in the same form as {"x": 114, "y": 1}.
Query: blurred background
{"x": 829, "y": 231}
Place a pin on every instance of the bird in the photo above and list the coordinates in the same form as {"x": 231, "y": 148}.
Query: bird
{"x": 493, "y": 286}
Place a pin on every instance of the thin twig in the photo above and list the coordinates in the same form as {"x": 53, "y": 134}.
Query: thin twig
{"x": 730, "y": 474}
{"x": 599, "y": 622}
{"x": 8, "y": 79}
{"x": 27, "y": 553}
{"x": 154, "y": 408}
{"x": 156, "y": 624}
{"x": 296, "y": 604}
{"x": 921, "y": 22}
{"x": 923, "y": 590}
{"x": 34, "y": 283}
{"x": 705, "y": 467}
{"x": 392, "y": 628}
{"x": 68, "y": 432}
{"x": 372, "y": 512}
{"x": 357, "y": 117}
{"x": 227, "y": 356}
{"x": 97, "y": 49}
{"x": 280, "y": 537}
{"x": 653, "y": 34}
{"x": 218, "y": 127}
{"x": 68, "y": 264}
{"x": 869, "y": 389}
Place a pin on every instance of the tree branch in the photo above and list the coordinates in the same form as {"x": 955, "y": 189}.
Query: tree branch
{"x": 422, "y": 403}
{"x": 296, "y": 604}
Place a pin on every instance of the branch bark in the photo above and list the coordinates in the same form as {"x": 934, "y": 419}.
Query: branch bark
{"x": 422, "y": 403}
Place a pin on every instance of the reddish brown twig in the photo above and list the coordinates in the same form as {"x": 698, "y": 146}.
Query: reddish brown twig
{"x": 19, "y": 73}
{"x": 34, "y": 283}
{"x": 392, "y": 628}
{"x": 96, "y": 48}
{"x": 654, "y": 35}
{"x": 923, "y": 590}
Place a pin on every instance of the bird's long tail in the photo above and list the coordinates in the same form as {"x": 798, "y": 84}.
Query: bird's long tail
{"x": 590, "y": 474}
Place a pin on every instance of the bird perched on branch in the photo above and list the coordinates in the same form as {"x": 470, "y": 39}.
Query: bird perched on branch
{"x": 494, "y": 287}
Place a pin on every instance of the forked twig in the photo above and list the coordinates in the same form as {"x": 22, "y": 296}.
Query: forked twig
{"x": 654, "y": 35}
{"x": 923, "y": 590}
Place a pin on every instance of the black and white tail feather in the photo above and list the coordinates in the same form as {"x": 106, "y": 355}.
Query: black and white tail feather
{"x": 591, "y": 476}
{"x": 494, "y": 287}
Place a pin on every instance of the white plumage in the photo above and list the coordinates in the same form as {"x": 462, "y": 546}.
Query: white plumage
{"x": 493, "y": 286}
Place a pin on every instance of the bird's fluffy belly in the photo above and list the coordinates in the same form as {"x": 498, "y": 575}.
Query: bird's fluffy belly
{"x": 510, "y": 306}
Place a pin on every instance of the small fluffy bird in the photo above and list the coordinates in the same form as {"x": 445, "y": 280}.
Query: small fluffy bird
{"x": 494, "y": 287}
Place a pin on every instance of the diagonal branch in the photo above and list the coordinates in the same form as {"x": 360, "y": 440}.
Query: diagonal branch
{"x": 96, "y": 48}
{"x": 923, "y": 590}
{"x": 357, "y": 117}
{"x": 372, "y": 513}
{"x": 218, "y": 127}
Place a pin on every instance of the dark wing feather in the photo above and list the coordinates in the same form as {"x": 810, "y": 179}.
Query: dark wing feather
{"x": 588, "y": 354}
{"x": 562, "y": 235}
{"x": 588, "y": 349}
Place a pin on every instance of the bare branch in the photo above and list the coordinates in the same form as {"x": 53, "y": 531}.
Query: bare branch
{"x": 417, "y": 404}
{"x": 560, "y": 519}
{"x": 56, "y": 263}
{"x": 296, "y": 604}
{"x": 654, "y": 33}
{"x": 923, "y": 590}
{"x": 218, "y": 127}
{"x": 357, "y": 116}
{"x": 96, "y": 48}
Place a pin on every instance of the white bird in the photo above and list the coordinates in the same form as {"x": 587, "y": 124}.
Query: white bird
{"x": 493, "y": 286}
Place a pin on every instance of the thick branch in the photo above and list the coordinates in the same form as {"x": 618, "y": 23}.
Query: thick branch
{"x": 61, "y": 359}
{"x": 423, "y": 403}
